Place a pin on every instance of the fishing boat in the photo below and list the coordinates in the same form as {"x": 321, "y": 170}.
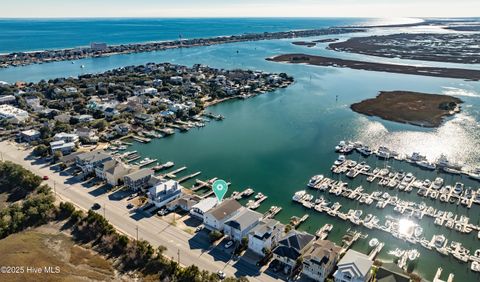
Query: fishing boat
{"x": 373, "y": 243}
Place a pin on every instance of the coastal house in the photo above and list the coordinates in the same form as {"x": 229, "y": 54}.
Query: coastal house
{"x": 203, "y": 206}
{"x": 138, "y": 180}
{"x": 69, "y": 159}
{"x": 87, "y": 135}
{"x": 390, "y": 272}
{"x": 98, "y": 46}
{"x": 71, "y": 90}
{"x": 13, "y": 114}
{"x": 29, "y": 135}
{"x": 88, "y": 161}
{"x": 291, "y": 247}
{"x": 265, "y": 235}
{"x": 122, "y": 129}
{"x": 144, "y": 119}
{"x": 353, "y": 267}
{"x": 83, "y": 118}
{"x": 32, "y": 101}
{"x": 215, "y": 218}
{"x": 7, "y": 99}
{"x": 238, "y": 226}
{"x": 62, "y": 146}
{"x": 185, "y": 202}
{"x": 115, "y": 174}
{"x": 176, "y": 80}
{"x": 320, "y": 260}
{"x": 164, "y": 192}
{"x": 67, "y": 137}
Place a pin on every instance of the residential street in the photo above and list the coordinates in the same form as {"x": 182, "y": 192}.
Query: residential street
{"x": 188, "y": 249}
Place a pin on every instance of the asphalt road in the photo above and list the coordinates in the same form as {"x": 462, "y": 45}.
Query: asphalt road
{"x": 188, "y": 249}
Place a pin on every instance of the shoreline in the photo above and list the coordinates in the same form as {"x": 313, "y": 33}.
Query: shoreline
{"x": 465, "y": 74}
{"x": 15, "y": 59}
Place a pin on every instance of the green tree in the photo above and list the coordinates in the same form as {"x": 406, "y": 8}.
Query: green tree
{"x": 41, "y": 150}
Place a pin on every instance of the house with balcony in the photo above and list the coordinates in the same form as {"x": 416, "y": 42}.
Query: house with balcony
{"x": 203, "y": 206}
{"x": 239, "y": 225}
{"x": 139, "y": 179}
{"x": 164, "y": 192}
{"x": 353, "y": 267}
{"x": 265, "y": 235}
{"x": 320, "y": 260}
{"x": 88, "y": 161}
{"x": 292, "y": 247}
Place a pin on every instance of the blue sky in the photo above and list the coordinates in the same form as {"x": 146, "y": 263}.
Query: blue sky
{"x": 239, "y": 8}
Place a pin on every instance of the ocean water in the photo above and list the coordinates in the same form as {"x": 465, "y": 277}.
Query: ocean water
{"x": 38, "y": 34}
{"x": 275, "y": 142}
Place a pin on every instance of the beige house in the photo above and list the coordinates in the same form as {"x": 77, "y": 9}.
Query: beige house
{"x": 320, "y": 260}
{"x": 114, "y": 171}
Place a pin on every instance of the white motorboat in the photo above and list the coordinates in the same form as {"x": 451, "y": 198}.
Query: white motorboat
{"x": 437, "y": 183}
{"x": 458, "y": 188}
{"x": 340, "y": 160}
{"x": 373, "y": 243}
{"x": 426, "y": 164}
{"x": 383, "y": 152}
{"x": 418, "y": 231}
{"x": 439, "y": 241}
{"x": 298, "y": 196}
{"x": 315, "y": 180}
{"x": 416, "y": 157}
{"x": 413, "y": 254}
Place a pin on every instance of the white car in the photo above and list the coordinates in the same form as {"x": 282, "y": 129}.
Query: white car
{"x": 221, "y": 274}
{"x": 228, "y": 244}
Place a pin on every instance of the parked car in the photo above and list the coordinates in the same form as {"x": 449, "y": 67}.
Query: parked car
{"x": 96, "y": 206}
{"x": 162, "y": 212}
{"x": 221, "y": 274}
{"x": 129, "y": 206}
{"x": 228, "y": 244}
{"x": 198, "y": 229}
{"x": 45, "y": 177}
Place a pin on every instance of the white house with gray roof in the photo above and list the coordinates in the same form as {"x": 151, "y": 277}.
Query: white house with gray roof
{"x": 353, "y": 267}
{"x": 215, "y": 218}
{"x": 240, "y": 224}
{"x": 265, "y": 235}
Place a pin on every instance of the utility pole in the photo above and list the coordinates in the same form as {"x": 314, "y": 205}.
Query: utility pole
{"x": 137, "y": 232}
{"x": 54, "y": 187}
{"x": 178, "y": 256}
{"x": 104, "y": 210}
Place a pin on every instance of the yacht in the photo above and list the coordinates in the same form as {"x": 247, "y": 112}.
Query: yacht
{"x": 443, "y": 162}
{"x": 365, "y": 151}
{"x": 416, "y": 157}
{"x": 475, "y": 174}
{"x": 413, "y": 254}
{"x": 458, "y": 188}
{"x": 315, "y": 180}
{"x": 383, "y": 152}
{"x": 351, "y": 173}
{"x": 439, "y": 241}
{"x": 340, "y": 160}
{"x": 260, "y": 195}
{"x": 408, "y": 177}
{"x": 426, "y": 164}
{"x": 298, "y": 196}
{"x": 438, "y": 183}
{"x": 340, "y": 145}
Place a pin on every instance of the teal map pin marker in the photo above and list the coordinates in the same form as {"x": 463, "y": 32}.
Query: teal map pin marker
{"x": 220, "y": 187}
